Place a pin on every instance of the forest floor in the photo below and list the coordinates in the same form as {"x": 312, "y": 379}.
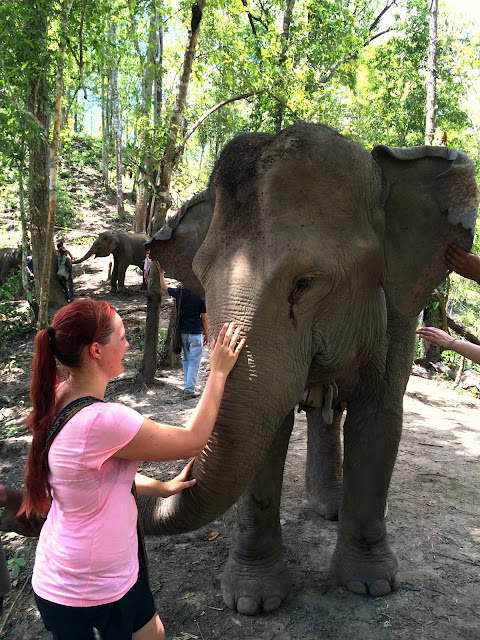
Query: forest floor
{"x": 433, "y": 518}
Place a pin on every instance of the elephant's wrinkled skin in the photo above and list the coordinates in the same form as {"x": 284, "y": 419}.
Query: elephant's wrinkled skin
{"x": 126, "y": 248}
{"x": 326, "y": 254}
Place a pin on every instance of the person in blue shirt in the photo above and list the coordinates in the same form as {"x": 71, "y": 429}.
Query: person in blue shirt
{"x": 30, "y": 267}
{"x": 193, "y": 331}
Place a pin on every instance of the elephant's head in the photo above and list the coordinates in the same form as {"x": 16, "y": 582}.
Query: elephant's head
{"x": 310, "y": 235}
{"x": 177, "y": 242}
{"x": 106, "y": 243}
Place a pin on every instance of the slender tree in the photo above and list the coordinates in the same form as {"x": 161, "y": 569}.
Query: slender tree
{"x": 170, "y": 156}
{"x": 149, "y": 61}
{"x": 163, "y": 198}
{"x": 117, "y": 132}
{"x": 52, "y": 205}
{"x": 434, "y": 313}
{"x": 431, "y": 78}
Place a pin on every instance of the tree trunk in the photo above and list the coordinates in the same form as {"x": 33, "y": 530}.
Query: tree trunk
{"x": 26, "y": 278}
{"x": 431, "y": 352}
{"x": 157, "y": 106}
{"x": 38, "y": 170}
{"x": 105, "y": 130}
{"x": 163, "y": 199}
{"x": 282, "y": 56}
{"x": 431, "y": 79}
{"x": 113, "y": 73}
{"x": 52, "y": 205}
{"x": 154, "y": 299}
{"x": 142, "y": 184}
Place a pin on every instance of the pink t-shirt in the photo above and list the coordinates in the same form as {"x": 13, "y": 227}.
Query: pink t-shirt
{"x": 87, "y": 550}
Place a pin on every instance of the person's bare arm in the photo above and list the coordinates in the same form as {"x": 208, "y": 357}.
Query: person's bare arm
{"x": 161, "y": 275}
{"x": 445, "y": 341}
{"x": 157, "y": 442}
{"x": 465, "y": 263}
{"x": 157, "y": 489}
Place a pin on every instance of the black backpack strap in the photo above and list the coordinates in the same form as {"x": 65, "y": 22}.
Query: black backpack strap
{"x": 64, "y": 416}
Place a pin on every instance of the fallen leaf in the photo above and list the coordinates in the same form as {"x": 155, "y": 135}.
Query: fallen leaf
{"x": 212, "y": 535}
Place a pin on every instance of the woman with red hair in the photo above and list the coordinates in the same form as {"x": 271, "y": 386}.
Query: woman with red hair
{"x": 87, "y": 574}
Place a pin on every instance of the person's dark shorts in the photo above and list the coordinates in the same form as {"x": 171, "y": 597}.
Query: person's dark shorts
{"x": 114, "y": 621}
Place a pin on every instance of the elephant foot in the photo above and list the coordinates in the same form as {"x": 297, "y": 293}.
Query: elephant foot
{"x": 326, "y": 504}
{"x": 374, "y": 572}
{"x": 251, "y": 588}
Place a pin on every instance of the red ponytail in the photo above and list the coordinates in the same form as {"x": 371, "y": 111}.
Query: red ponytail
{"x": 73, "y": 328}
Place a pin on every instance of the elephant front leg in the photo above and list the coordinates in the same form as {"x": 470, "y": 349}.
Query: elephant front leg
{"x": 114, "y": 276}
{"x": 363, "y": 560}
{"x": 121, "y": 271}
{"x": 324, "y": 468}
{"x": 256, "y": 576}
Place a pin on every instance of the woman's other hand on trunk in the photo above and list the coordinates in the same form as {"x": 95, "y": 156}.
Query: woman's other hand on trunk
{"x": 225, "y": 349}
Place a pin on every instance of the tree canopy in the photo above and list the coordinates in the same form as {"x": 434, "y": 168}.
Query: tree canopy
{"x": 162, "y": 85}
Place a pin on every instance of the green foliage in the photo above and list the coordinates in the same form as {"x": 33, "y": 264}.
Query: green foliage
{"x": 15, "y": 564}
{"x": 13, "y": 320}
{"x": 82, "y": 150}
{"x": 10, "y": 431}
{"x": 11, "y": 286}
{"x": 66, "y": 212}
{"x": 330, "y": 69}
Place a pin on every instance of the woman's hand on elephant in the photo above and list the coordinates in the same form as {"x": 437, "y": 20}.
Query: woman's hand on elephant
{"x": 147, "y": 486}
{"x": 225, "y": 349}
{"x": 180, "y": 482}
{"x": 437, "y": 336}
{"x": 466, "y": 263}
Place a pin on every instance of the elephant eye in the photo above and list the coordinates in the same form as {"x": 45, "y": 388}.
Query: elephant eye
{"x": 302, "y": 284}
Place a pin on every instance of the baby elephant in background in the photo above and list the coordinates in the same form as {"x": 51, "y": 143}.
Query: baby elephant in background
{"x": 126, "y": 248}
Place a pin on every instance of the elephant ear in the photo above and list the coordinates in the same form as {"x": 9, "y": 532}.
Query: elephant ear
{"x": 176, "y": 243}
{"x": 165, "y": 233}
{"x": 431, "y": 201}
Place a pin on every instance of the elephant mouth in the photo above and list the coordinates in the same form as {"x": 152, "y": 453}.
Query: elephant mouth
{"x": 324, "y": 397}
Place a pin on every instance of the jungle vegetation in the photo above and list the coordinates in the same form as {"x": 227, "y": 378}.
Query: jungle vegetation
{"x": 153, "y": 89}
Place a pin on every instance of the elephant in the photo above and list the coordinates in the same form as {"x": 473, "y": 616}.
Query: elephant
{"x": 9, "y": 259}
{"x": 325, "y": 253}
{"x": 127, "y": 248}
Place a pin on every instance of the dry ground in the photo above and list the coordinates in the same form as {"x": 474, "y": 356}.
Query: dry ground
{"x": 433, "y": 518}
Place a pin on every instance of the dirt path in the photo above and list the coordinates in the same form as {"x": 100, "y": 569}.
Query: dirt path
{"x": 433, "y": 519}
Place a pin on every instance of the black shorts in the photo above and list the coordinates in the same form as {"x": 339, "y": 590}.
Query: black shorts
{"x": 114, "y": 621}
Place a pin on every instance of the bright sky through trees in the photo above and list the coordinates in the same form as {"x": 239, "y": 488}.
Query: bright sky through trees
{"x": 470, "y": 8}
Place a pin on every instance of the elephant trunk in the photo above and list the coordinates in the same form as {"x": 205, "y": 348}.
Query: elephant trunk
{"x": 242, "y": 436}
{"x": 89, "y": 253}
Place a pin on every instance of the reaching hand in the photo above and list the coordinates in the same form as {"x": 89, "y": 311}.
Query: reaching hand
{"x": 437, "y": 336}
{"x": 225, "y": 349}
{"x": 180, "y": 482}
{"x": 466, "y": 263}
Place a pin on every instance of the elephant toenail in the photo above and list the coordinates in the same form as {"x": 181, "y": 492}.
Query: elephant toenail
{"x": 247, "y": 606}
{"x": 357, "y": 587}
{"x": 380, "y": 588}
{"x": 271, "y": 603}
